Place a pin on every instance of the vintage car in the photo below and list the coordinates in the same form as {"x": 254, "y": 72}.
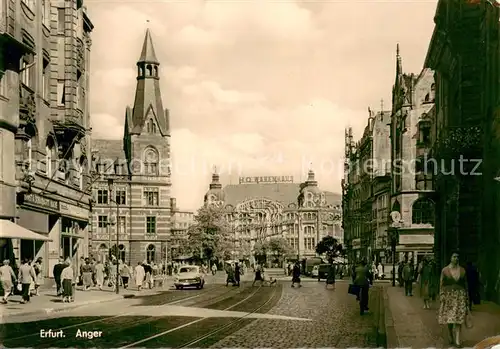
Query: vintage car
{"x": 189, "y": 276}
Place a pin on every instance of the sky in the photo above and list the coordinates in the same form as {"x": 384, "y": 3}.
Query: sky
{"x": 255, "y": 88}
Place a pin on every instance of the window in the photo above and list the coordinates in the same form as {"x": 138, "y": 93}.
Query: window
{"x": 309, "y": 244}
{"x": 102, "y": 196}
{"x": 78, "y": 92}
{"x": 122, "y": 225}
{"x": 151, "y": 126}
{"x": 423, "y": 212}
{"x": 60, "y": 20}
{"x": 3, "y": 83}
{"x": 121, "y": 253}
{"x": 121, "y": 196}
{"x": 29, "y": 154}
{"x": 151, "y": 162}
{"x": 151, "y": 196}
{"x": 45, "y": 13}
{"x": 151, "y": 225}
{"x": 25, "y": 71}
{"x": 425, "y": 134}
{"x": 150, "y": 253}
{"x": 149, "y": 69}
{"x": 45, "y": 80}
{"x": 61, "y": 93}
{"x": 102, "y": 223}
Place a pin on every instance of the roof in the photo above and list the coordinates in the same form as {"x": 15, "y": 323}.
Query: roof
{"x": 108, "y": 148}
{"x": 285, "y": 193}
{"x": 148, "y": 54}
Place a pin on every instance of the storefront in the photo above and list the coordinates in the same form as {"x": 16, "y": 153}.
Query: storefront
{"x": 415, "y": 246}
{"x": 356, "y": 250}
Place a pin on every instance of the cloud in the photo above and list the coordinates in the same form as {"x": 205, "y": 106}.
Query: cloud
{"x": 255, "y": 87}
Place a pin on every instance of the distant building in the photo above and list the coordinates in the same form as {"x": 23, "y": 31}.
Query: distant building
{"x": 181, "y": 220}
{"x": 132, "y": 193}
{"x": 44, "y": 130}
{"x": 263, "y": 207}
{"x": 412, "y": 174}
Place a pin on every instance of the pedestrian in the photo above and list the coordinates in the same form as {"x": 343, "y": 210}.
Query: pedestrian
{"x": 86, "y": 274}
{"x": 99, "y": 274}
{"x": 296, "y": 274}
{"x": 56, "y": 271}
{"x": 453, "y": 307}
{"x": 400, "y": 274}
{"x": 139, "y": 275}
{"x": 408, "y": 274}
{"x": 125, "y": 274}
{"x": 68, "y": 281}
{"x": 380, "y": 271}
{"x": 148, "y": 274}
{"x": 230, "y": 275}
{"x": 425, "y": 276}
{"x": 258, "y": 275}
{"x": 26, "y": 277}
{"x": 112, "y": 274}
{"x": 7, "y": 279}
{"x": 237, "y": 274}
{"x": 330, "y": 276}
{"x": 473, "y": 284}
{"x": 362, "y": 280}
{"x": 39, "y": 279}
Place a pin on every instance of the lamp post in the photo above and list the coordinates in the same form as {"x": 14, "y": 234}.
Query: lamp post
{"x": 110, "y": 185}
{"x": 394, "y": 236}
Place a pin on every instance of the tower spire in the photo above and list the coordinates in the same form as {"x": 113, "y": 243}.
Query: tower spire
{"x": 148, "y": 54}
{"x": 399, "y": 68}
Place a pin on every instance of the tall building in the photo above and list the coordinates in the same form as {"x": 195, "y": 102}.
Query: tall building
{"x": 44, "y": 130}
{"x": 131, "y": 216}
{"x": 366, "y": 168}
{"x": 259, "y": 208}
{"x": 181, "y": 221}
{"x": 411, "y": 172}
{"x": 464, "y": 52}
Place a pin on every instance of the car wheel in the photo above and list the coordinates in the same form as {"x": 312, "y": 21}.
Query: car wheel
{"x": 178, "y": 287}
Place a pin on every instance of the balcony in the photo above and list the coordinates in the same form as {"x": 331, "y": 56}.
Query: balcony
{"x": 11, "y": 43}
{"x": 70, "y": 130}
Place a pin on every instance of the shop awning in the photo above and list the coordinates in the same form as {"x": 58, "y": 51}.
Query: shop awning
{"x": 10, "y": 230}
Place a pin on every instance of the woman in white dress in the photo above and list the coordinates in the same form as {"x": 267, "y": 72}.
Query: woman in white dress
{"x": 139, "y": 275}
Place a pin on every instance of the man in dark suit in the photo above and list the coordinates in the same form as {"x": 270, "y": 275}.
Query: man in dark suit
{"x": 58, "y": 268}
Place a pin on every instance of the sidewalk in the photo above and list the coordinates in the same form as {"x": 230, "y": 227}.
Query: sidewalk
{"x": 47, "y": 302}
{"x": 408, "y": 324}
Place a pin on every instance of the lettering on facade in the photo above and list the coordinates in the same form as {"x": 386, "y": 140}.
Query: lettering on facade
{"x": 70, "y": 210}
{"x": 266, "y": 179}
{"x": 38, "y": 200}
{"x": 416, "y": 239}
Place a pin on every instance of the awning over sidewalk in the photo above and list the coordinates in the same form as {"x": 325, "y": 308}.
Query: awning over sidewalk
{"x": 10, "y": 230}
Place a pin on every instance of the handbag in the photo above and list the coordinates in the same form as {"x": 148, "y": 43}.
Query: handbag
{"x": 19, "y": 287}
{"x": 353, "y": 289}
{"x": 468, "y": 320}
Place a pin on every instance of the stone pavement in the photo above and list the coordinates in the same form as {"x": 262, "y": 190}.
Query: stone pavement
{"x": 335, "y": 321}
{"x": 407, "y": 324}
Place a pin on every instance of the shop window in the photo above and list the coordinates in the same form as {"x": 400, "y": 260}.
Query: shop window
{"x": 151, "y": 196}
{"x": 150, "y": 253}
{"x": 151, "y": 225}
{"x": 423, "y": 212}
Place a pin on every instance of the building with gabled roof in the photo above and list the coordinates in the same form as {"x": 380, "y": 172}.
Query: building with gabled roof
{"x": 132, "y": 193}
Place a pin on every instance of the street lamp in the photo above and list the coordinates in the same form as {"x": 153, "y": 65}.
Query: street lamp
{"x": 394, "y": 237}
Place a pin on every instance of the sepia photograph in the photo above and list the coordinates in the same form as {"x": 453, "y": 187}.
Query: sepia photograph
{"x": 250, "y": 174}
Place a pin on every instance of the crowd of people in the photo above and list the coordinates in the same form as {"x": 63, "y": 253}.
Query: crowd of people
{"x": 26, "y": 282}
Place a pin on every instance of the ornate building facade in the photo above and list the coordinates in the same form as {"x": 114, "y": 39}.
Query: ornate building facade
{"x": 181, "y": 221}
{"x": 301, "y": 213}
{"x": 412, "y": 169}
{"x": 132, "y": 202}
{"x": 464, "y": 53}
{"x": 44, "y": 129}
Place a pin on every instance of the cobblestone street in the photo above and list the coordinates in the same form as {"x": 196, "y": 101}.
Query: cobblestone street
{"x": 336, "y": 321}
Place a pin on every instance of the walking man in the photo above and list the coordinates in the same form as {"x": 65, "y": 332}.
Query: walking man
{"x": 57, "y": 270}
{"x": 7, "y": 278}
{"x": 296, "y": 274}
{"x": 26, "y": 277}
{"x": 408, "y": 273}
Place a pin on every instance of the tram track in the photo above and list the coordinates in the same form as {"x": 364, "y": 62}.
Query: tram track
{"x": 121, "y": 319}
{"x": 227, "y": 325}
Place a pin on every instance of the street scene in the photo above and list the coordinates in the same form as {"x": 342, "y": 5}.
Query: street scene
{"x": 249, "y": 174}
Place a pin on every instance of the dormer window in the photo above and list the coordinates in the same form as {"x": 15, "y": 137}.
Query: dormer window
{"x": 151, "y": 126}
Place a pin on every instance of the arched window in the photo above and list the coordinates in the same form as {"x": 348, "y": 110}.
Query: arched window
{"x": 423, "y": 212}
{"x": 151, "y": 161}
{"x": 151, "y": 126}
{"x": 121, "y": 253}
{"x": 141, "y": 70}
{"x": 150, "y": 253}
{"x": 156, "y": 70}
{"x": 149, "y": 70}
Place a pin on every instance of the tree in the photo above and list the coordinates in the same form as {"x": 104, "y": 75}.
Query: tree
{"x": 209, "y": 235}
{"x": 260, "y": 250}
{"x": 330, "y": 247}
{"x": 279, "y": 247}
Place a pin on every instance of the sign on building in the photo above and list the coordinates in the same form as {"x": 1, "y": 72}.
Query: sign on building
{"x": 266, "y": 179}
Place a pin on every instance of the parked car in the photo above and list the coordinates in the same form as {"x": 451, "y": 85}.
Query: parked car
{"x": 323, "y": 271}
{"x": 189, "y": 276}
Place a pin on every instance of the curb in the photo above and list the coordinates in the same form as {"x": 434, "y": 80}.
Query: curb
{"x": 391, "y": 337}
{"x": 47, "y": 311}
